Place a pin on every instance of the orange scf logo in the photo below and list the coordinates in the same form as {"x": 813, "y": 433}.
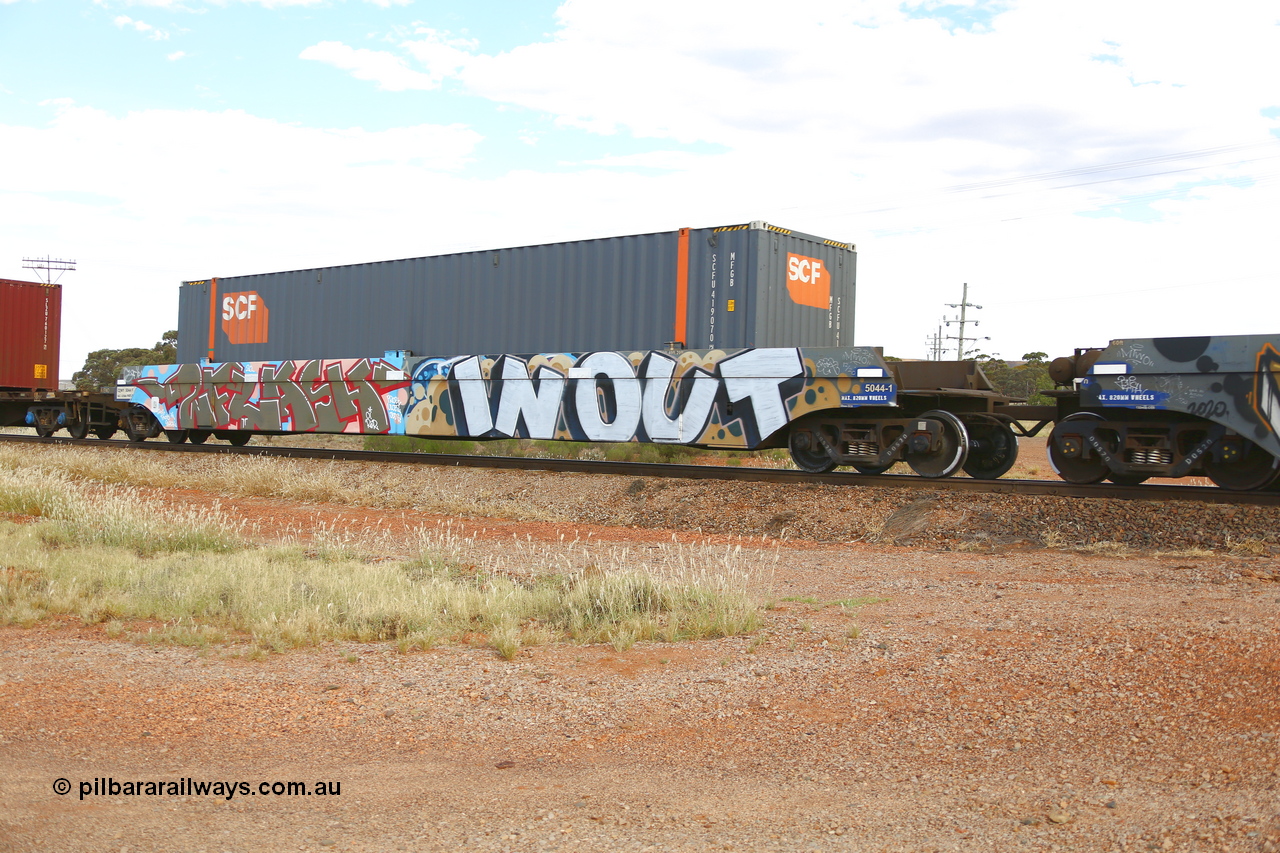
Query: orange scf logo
{"x": 245, "y": 318}
{"x": 808, "y": 281}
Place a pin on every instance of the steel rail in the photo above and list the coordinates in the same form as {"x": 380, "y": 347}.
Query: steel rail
{"x": 1056, "y": 488}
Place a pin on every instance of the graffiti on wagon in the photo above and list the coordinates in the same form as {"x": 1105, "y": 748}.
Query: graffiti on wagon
{"x": 711, "y": 397}
{"x": 315, "y": 395}
{"x": 1230, "y": 379}
{"x": 690, "y": 397}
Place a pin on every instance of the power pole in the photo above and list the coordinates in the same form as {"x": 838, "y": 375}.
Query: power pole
{"x": 963, "y": 304}
{"x": 50, "y": 266}
{"x": 935, "y": 344}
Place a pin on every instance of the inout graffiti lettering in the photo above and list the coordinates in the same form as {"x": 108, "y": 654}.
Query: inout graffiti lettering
{"x": 603, "y": 396}
{"x": 287, "y": 396}
{"x": 704, "y": 397}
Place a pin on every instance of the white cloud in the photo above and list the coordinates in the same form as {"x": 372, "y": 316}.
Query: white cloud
{"x": 148, "y": 199}
{"x": 176, "y": 55}
{"x": 443, "y": 54}
{"x": 1028, "y": 88}
{"x": 858, "y": 121}
{"x": 947, "y": 154}
{"x": 202, "y": 5}
{"x": 275, "y": 4}
{"x": 665, "y": 160}
{"x": 123, "y": 21}
{"x": 390, "y": 72}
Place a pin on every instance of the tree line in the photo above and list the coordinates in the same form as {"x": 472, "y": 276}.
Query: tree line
{"x": 102, "y": 367}
{"x": 1024, "y": 381}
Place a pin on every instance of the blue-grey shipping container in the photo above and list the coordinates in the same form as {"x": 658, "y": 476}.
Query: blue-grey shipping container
{"x": 752, "y": 285}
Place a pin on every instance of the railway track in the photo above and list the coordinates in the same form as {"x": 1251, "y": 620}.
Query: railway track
{"x": 1144, "y": 492}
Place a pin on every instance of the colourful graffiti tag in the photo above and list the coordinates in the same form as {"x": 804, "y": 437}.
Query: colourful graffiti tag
{"x": 348, "y": 395}
{"x": 1266, "y": 392}
{"x": 713, "y": 397}
{"x": 710, "y": 397}
{"x": 1233, "y": 380}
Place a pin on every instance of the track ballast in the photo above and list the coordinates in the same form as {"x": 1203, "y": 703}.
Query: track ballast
{"x": 1144, "y": 492}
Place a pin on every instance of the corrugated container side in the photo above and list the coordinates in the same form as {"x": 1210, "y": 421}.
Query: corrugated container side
{"x": 616, "y": 293}
{"x": 763, "y": 286}
{"x": 785, "y": 259}
{"x": 720, "y": 272}
{"x": 30, "y": 334}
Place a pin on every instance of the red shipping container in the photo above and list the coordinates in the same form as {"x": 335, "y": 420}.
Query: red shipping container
{"x": 30, "y": 333}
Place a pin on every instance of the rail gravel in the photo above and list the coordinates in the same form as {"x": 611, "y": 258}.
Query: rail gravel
{"x": 1055, "y": 488}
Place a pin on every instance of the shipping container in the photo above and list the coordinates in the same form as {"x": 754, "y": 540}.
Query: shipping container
{"x": 738, "y": 286}
{"x": 30, "y": 329}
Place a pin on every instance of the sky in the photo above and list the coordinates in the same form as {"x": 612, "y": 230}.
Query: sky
{"x": 1092, "y": 170}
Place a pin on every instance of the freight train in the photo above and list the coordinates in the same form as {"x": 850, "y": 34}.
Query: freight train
{"x": 733, "y": 338}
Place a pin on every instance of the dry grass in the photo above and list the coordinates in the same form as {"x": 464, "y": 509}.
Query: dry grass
{"x": 285, "y": 479}
{"x": 104, "y": 554}
{"x": 1107, "y": 549}
{"x": 88, "y": 515}
{"x": 1248, "y": 547}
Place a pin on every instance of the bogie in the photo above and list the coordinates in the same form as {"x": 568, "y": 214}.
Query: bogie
{"x": 993, "y": 449}
{"x": 1239, "y": 464}
{"x": 808, "y": 447}
{"x": 934, "y": 444}
{"x": 938, "y": 446}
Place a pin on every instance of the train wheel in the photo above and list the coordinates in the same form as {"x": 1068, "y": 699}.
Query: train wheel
{"x": 1076, "y": 469}
{"x": 1127, "y": 479}
{"x": 871, "y": 469}
{"x": 198, "y": 436}
{"x": 1250, "y": 468}
{"x": 240, "y": 438}
{"x": 993, "y": 448}
{"x": 78, "y": 429}
{"x": 176, "y": 436}
{"x": 104, "y": 432}
{"x": 44, "y": 431}
{"x": 951, "y": 453}
{"x": 138, "y": 423}
{"x": 808, "y": 453}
